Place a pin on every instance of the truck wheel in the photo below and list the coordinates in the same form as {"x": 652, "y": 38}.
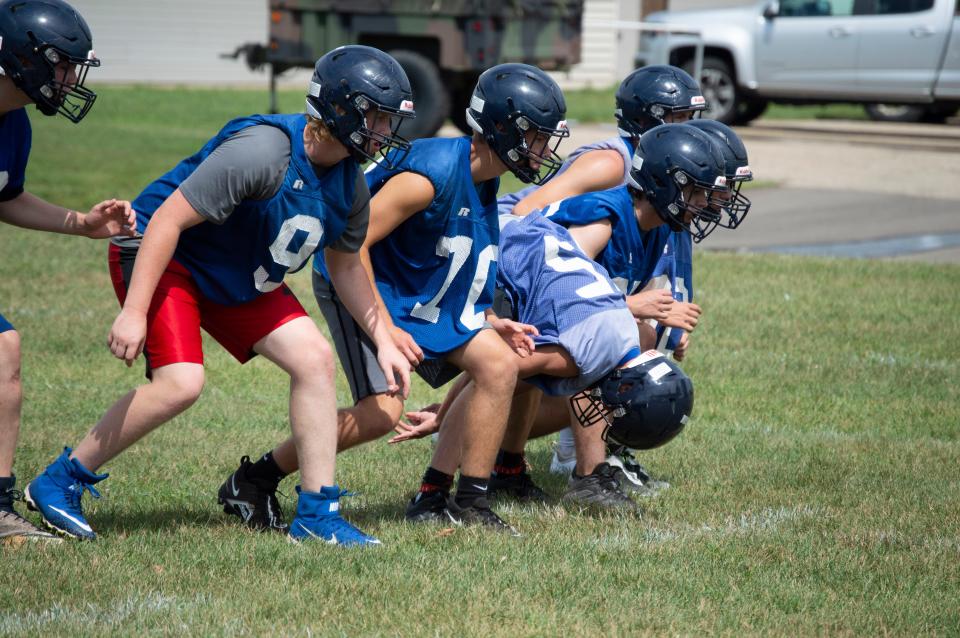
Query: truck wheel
{"x": 750, "y": 110}
{"x": 719, "y": 88}
{"x": 430, "y": 97}
{"x": 895, "y": 112}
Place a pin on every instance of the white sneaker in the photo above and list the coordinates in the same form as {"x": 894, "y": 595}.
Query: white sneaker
{"x": 635, "y": 477}
{"x": 564, "y": 460}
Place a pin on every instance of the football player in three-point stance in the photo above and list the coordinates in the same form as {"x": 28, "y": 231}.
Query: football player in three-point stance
{"x": 45, "y": 53}
{"x": 648, "y": 97}
{"x": 220, "y": 231}
{"x": 432, "y": 251}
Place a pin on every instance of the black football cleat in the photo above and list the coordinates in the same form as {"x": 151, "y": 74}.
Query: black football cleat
{"x": 253, "y": 500}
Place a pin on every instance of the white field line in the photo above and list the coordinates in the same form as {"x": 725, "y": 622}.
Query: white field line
{"x": 59, "y": 618}
{"x": 767, "y": 520}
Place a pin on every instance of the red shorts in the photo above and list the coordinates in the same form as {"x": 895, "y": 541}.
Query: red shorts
{"x": 179, "y": 309}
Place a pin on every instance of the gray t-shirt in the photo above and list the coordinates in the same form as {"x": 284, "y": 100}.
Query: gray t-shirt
{"x": 251, "y": 165}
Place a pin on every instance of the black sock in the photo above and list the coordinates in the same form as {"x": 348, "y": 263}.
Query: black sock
{"x": 435, "y": 481}
{"x": 6, "y": 493}
{"x": 509, "y": 463}
{"x": 469, "y": 489}
{"x": 266, "y": 469}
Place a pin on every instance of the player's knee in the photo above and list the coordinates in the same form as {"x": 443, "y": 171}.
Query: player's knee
{"x": 183, "y": 387}
{"x": 498, "y": 374}
{"x": 315, "y": 361}
{"x": 382, "y": 413}
{"x": 9, "y": 359}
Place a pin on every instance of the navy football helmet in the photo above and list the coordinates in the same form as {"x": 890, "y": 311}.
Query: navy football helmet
{"x": 511, "y": 101}
{"x": 46, "y": 49}
{"x": 672, "y": 157}
{"x": 650, "y": 93}
{"x": 737, "y": 169}
{"x": 642, "y": 407}
{"x": 349, "y": 83}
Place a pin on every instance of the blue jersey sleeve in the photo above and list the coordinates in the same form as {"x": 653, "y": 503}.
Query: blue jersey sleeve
{"x": 14, "y": 153}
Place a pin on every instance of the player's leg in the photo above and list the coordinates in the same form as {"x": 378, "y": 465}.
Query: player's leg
{"x": 174, "y": 355}
{"x": 479, "y": 417}
{"x": 11, "y": 395}
{"x": 12, "y": 525}
{"x": 594, "y": 483}
{"x": 299, "y": 349}
{"x": 510, "y": 476}
{"x": 250, "y": 492}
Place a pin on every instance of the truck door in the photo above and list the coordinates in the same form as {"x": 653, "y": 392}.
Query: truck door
{"x": 901, "y": 47}
{"x": 809, "y": 47}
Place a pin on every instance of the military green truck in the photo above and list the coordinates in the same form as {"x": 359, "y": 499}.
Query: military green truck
{"x": 443, "y": 45}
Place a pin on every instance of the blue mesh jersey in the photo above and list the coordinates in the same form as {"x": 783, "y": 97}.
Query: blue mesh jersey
{"x": 622, "y": 145}
{"x": 674, "y": 271}
{"x": 554, "y": 286}
{"x": 436, "y": 271}
{"x": 15, "y": 150}
{"x": 262, "y": 240}
{"x": 631, "y": 254}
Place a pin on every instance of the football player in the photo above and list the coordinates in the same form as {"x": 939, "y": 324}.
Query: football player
{"x": 432, "y": 251}
{"x": 648, "y": 97}
{"x": 45, "y": 52}
{"x": 586, "y": 339}
{"x": 220, "y": 231}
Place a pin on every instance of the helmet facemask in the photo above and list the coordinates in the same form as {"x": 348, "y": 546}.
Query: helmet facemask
{"x": 738, "y": 204}
{"x": 542, "y": 151}
{"x": 359, "y": 140}
{"x": 65, "y": 92}
{"x": 363, "y": 136}
{"x": 703, "y": 219}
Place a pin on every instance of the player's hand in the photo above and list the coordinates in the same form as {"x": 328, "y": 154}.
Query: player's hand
{"x": 108, "y": 218}
{"x": 395, "y": 367}
{"x": 519, "y": 336}
{"x": 418, "y": 424}
{"x": 651, "y": 304}
{"x": 682, "y": 315}
{"x": 127, "y": 336}
{"x": 407, "y": 346}
{"x": 681, "y": 350}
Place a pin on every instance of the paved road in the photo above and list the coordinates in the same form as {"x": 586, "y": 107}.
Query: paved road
{"x": 844, "y": 188}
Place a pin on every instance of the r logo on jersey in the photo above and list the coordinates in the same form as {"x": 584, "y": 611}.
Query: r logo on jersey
{"x": 464, "y": 212}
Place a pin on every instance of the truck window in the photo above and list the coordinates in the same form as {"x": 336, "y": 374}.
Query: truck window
{"x": 890, "y": 7}
{"x": 814, "y": 8}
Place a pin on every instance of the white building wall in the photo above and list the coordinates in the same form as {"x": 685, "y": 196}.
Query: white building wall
{"x": 180, "y": 41}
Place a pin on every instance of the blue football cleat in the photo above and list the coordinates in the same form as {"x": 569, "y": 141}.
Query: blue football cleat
{"x": 318, "y": 518}
{"x": 56, "y": 495}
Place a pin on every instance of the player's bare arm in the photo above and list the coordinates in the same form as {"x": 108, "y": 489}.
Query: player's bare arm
{"x": 106, "y": 219}
{"x": 350, "y": 278}
{"x": 129, "y": 330}
{"x": 402, "y": 197}
{"x": 592, "y": 171}
{"x": 592, "y": 238}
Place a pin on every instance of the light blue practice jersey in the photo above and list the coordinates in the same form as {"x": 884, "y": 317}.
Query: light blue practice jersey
{"x": 554, "y": 286}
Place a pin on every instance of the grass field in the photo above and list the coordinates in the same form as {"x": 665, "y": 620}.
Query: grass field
{"x": 815, "y": 492}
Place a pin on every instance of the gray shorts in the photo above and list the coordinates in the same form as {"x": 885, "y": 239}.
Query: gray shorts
{"x": 356, "y": 351}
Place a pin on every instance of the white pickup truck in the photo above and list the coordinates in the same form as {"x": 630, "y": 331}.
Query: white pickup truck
{"x": 900, "y": 58}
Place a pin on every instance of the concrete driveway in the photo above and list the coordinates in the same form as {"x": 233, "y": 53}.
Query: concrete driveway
{"x": 857, "y": 189}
